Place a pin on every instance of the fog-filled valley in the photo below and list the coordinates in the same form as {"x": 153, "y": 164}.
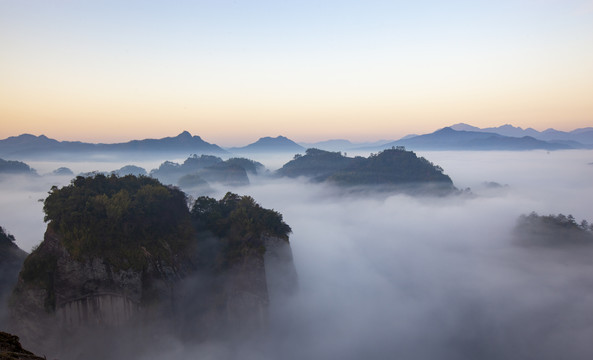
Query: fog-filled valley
{"x": 392, "y": 275}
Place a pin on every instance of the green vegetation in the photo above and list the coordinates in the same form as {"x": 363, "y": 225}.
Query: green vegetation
{"x": 553, "y": 230}
{"x": 134, "y": 222}
{"x": 120, "y": 219}
{"x": 394, "y": 166}
{"x": 15, "y": 167}
{"x": 208, "y": 167}
{"x": 239, "y": 224}
{"x": 317, "y": 164}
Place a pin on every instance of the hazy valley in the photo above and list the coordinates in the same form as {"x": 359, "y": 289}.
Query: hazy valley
{"x": 384, "y": 274}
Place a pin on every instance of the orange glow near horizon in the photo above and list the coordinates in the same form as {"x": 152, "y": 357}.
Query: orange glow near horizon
{"x": 76, "y": 79}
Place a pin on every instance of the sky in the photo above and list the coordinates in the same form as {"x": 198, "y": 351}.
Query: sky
{"x": 234, "y": 71}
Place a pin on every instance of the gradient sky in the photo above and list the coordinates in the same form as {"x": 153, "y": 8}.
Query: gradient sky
{"x": 233, "y": 71}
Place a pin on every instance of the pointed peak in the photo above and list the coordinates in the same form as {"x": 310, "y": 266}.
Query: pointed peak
{"x": 184, "y": 134}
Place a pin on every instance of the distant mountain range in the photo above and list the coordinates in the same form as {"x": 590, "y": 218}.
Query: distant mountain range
{"x": 582, "y": 135}
{"x": 449, "y": 139}
{"x": 456, "y": 137}
{"x": 506, "y": 137}
{"x": 27, "y": 145}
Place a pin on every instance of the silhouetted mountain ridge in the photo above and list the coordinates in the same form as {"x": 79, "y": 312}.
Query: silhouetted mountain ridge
{"x": 41, "y": 146}
{"x": 581, "y": 135}
{"x": 270, "y": 144}
{"x": 450, "y": 139}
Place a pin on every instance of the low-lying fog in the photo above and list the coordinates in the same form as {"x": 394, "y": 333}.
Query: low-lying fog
{"x": 409, "y": 278}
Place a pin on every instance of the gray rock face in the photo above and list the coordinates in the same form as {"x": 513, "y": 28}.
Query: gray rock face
{"x": 98, "y": 309}
{"x": 11, "y": 261}
{"x": 281, "y": 275}
{"x": 257, "y": 280}
{"x": 77, "y": 297}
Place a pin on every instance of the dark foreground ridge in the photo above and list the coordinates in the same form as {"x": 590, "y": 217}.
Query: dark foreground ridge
{"x": 11, "y": 349}
{"x": 125, "y": 259}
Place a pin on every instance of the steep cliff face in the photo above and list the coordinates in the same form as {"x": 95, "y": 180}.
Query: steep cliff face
{"x": 11, "y": 260}
{"x": 59, "y": 296}
{"x": 255, "y": 281}
{"x": 281, "y": 274}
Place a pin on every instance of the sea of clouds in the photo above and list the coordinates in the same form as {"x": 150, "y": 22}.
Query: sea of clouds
{"x": 394, "y": 276}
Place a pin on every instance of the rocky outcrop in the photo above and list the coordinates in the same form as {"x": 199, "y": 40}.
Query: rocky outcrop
{"x": 281, "y": 274}
{"x": 235, "y": 301}
{"x": 246, "y": 292}
{"x": 258, "y": 279}
{"x": 133, "y": 267}
{"x": 110, "y": 309}
{"x": 11, "y": 261}
{"x": 11, "y": 349}
{"x": 70, "y": 295}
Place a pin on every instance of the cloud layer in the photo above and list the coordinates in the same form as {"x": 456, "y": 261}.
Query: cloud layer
{"x": 392, "y": 276}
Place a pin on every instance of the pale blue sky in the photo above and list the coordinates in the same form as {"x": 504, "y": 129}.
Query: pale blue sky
{"x": 116, "y": 70}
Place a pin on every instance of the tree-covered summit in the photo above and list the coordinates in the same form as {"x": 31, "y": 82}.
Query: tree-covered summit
{"x": 15, "y": 167}
{"x": 394, "y": 166}
{"x": 239, "y": 223}
{"x": 316, "y": 164}
{"x": 119, "y": 218}
{"x": 553, "y": 230}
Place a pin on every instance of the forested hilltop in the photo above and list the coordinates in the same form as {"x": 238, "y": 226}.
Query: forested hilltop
{"x": 11, "y": 261}
{"x": 15, "y": 167}
{"x": 391, "y": 168}
{"x": 128, "y": 250}
{"x": 556, "y": 231}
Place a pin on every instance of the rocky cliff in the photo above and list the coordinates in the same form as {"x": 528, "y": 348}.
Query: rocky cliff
{"x": 58, "y": 296}
{"x": 115, "y": 264}
{"x": 11, "y": 260}
{"x": 11, "y": 349}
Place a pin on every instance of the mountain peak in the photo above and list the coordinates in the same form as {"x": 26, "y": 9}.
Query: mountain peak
{"x": 270, "y": 144}
{"x": 463, "y": 127}
{"x": 184, "y": 134}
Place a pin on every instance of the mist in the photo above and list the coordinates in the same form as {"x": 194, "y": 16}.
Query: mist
{"x": 395, "y": 276}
